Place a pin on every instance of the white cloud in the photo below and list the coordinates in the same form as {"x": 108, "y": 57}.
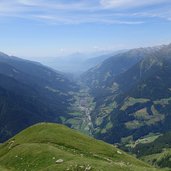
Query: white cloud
{"x": 129, "y": 3}
{"x": 26, "y": 2}
{"x": 82, "y": 11}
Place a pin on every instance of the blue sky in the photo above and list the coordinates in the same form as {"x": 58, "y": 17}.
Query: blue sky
{"x": 45, "y": 28}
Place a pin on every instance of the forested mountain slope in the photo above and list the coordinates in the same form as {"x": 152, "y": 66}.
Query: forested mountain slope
{"x": 30, "y": 93}
{"x": 133, "y": 101}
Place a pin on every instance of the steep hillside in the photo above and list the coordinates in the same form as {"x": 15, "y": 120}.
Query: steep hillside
{"x": 30, "y": 93}
{"x": 135, "y": 102}
{"x": 157, "y": 152}
{"x": 102, "y": 75}
{"x": 55, "y": 147}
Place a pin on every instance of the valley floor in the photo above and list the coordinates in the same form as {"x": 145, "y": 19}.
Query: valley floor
{"x": 81, "y": 110}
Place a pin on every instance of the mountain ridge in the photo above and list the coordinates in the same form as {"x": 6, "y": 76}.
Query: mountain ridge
{"x": 125, "y": 98}
{"x": 131, "y": 102}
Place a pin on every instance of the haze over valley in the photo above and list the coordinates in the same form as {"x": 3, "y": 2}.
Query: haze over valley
{"x": 85, "y": 85}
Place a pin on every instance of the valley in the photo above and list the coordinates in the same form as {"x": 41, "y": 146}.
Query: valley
{"x": 124, "y": 101}
{"x": 81, "y": 109}
{"x": 85, "y": 85}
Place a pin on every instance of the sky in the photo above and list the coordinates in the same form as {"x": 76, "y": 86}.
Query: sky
{"x": 49, "y": 28}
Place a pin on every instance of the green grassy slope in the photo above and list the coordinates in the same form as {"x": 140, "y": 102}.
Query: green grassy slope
{"x": 157, "y": 152}
{"x": 40, "y": 146}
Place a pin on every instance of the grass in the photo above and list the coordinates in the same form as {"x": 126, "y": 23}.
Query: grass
{"x": 159, "y": 159}
{"x": 148, "y": 139}
{"x": 131, "y": 101}
{"x": 142, "y": 114}
{"x": 142, "y": 118}
{"x": 38, "y": 147}
{"x": 134, "y": 124}
{"x": 163, "y": 102}
{"x": 103, "y": 115}
{"x": 128, "y": 141}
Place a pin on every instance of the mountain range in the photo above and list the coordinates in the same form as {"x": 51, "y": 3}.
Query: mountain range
{"x": 76, "y": 63}
{"x": 122, "y": 99}
{"x": 132, "y": 94}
